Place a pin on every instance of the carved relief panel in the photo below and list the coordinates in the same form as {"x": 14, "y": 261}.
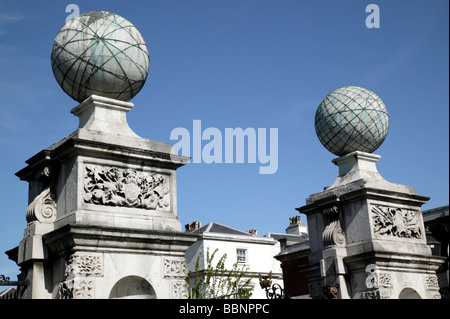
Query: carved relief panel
{"x": 114, "y": 186}
{"x": 179, "y": 289}
{"x": 80, "y": 268}
{"x": 432, "y": 286}
{"x": 176, "y": 271}
{"x": 396, "y": 222}
{"x": 85, "y": 265}
{"x": 174, "y": 268}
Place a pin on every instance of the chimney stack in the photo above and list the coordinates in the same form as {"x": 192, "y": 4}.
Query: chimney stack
{"x": 192, "y": 226}
{"x": 295, "y": 226}
{"x": 254, "y": 232}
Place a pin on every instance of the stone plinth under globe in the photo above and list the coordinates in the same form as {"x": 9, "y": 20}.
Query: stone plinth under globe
{"x": 100, "y": 53}
{"x": 351, "y": 118}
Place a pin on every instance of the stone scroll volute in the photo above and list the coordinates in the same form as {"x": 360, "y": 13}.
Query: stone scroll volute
{"x": 42, "y": 208}
{"x": 333, "y": 234}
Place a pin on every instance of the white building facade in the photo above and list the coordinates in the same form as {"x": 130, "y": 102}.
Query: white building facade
{"x": 248, "y": 250}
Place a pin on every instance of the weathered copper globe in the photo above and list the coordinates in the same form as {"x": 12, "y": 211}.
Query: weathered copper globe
{"x": 100, "y": 53}
{"x": 351, "y": 118}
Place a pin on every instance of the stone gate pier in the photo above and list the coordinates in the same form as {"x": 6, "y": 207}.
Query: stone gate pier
{"x": 102, "y": 218}
{"x": 367, "y": 236}
{"x": 102, "y": 205}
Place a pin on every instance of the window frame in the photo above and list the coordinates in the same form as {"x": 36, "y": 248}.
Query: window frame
{"x": 239, "y": 258}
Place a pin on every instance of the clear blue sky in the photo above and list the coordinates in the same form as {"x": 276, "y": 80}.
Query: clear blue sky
{"x": 241, "y": 63}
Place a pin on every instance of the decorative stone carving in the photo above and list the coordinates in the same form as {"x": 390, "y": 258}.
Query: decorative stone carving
{"x": 174, "y": 268}
{"x": 44, "y": 175}
{"x": 396, "y": 222}
{"x": 86, "y": 265}
{"x": 126, "y": 187}
{"x": 84, "y": 289}
{"x": 79, "y": 268}
{"x": 42, "y": 208}
{"x": 77, "y": 289}
{"x": 385, "y": 280}
{"x": 333, "y": 235}
{"x": 179, "y": 289}
{"x": 431, "y": 282}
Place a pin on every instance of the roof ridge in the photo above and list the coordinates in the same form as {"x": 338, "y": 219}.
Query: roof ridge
{"x": 209, "y": 225}
{"x": 231, "y": 228}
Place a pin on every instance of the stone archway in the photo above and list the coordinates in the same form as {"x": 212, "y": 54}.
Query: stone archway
{"x": 409, "y": 293}
{"x": 132, "y": 287}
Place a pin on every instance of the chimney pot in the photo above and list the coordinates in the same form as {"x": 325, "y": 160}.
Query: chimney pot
{"x": 254, "y": 232}
{"x": 295, "y": 226}
{"x": 192, "y": 226}
{"x": 296, "y": 220}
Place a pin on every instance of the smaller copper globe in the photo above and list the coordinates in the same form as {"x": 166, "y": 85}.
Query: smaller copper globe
{"x": 351, "y": 118}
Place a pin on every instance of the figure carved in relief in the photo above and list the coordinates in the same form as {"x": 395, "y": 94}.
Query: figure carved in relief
{"x": 396, "y": 222}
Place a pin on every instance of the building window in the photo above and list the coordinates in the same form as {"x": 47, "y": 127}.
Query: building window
{"x": 241, "y": 255}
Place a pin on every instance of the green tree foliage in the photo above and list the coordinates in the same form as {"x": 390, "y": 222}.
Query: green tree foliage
{"x": 218, "y": 282}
